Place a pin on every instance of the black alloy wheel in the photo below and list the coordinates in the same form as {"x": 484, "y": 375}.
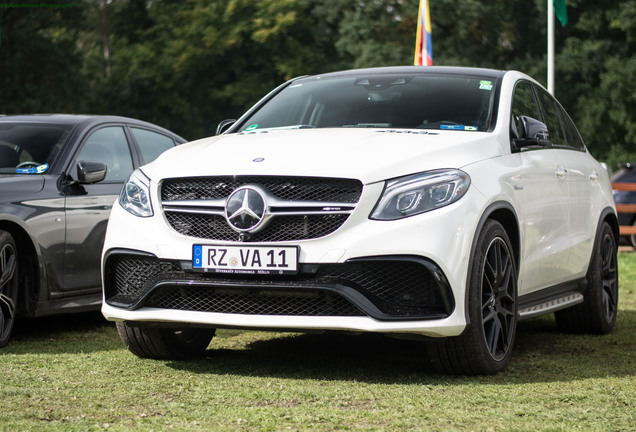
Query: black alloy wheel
{"x": 597, "y": 314}
{"x": 8, "y": 286}
{"x": 498, "y": 300}
{"x": 485, "y": 346}
{"x": 609, "y": 277}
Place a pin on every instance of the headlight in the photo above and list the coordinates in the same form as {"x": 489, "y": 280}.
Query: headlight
{"x": 419, "y": 193}
{"x": 135, "y": 196}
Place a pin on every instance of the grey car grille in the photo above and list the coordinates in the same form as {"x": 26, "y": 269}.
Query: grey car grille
{"x": 300, "y": 208}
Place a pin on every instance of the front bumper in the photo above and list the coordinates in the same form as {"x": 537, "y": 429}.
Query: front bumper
{"x": 405, "y": 276}
{"x": 384, "y": 288}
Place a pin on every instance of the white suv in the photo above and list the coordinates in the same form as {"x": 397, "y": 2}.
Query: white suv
{"x": 443, "y": 203}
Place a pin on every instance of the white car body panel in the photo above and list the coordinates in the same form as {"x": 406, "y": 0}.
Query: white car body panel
{"x": 370, "y": 155}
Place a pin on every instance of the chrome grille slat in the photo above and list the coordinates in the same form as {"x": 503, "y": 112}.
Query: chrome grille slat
{"x": 301, "y": 208}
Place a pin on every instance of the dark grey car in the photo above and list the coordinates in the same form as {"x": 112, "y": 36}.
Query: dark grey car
{"x": 59, "y": 176}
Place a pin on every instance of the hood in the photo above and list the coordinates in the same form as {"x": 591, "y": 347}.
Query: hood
{"x": 20, "y": 184}
{"x": 370, "y": 155}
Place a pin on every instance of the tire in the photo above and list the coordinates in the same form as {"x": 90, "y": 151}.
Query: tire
{"x": 597, "y": 313}
{"x": 8, "y": 286}
{"x": 485, "y": 346}
{"x": 164, "y": 343}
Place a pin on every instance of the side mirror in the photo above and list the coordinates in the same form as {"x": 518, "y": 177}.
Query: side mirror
{"x": 224, "y": 126}
{"x": 532, "y": 134}
{"x": 90, "y": 172}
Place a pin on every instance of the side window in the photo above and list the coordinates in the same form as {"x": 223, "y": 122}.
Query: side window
{"x": 572, "y": 136}
{"x": 551, "y": 118}
{"x": 523, "y": 104}
{"x": 109, "y": 146}
{"x": 151, "y": 144}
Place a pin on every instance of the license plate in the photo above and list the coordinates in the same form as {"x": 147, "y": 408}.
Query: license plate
{"x": 245, "y": 259}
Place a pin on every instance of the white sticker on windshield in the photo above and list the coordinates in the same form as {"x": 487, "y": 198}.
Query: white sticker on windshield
{"x": 458, "y": 127}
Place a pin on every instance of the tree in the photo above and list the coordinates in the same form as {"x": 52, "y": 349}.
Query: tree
{"x": 39, "y": 58}
{"x": 187, "y": 64}
{"x": 596, "y": 72}
{"x": 191, "y": 64}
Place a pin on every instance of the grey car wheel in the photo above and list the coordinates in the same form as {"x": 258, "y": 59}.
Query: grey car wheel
{"x": 8, "y": 286}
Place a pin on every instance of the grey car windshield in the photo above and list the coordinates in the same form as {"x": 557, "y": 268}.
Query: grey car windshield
{"x": 424, "y": 101}
{"x": 29, "y": 148}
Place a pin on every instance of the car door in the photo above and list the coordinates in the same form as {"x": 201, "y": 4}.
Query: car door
{"x": 88, "y": 206}
{"x": 583, "y": 183}
{"x": 543, "y": 212}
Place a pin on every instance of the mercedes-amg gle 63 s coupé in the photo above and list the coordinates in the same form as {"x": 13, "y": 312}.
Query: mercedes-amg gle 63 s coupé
{"x": 441, "y": 203}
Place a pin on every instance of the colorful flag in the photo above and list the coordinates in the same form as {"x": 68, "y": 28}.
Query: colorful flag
{"x": 423, "y": 40}
{"x": 560, "y": 11}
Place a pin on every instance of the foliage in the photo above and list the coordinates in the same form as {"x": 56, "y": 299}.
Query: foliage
{"x": 195, "y": 63}
{"x": 39, "y": 59}
{"x": 189, "y": 64}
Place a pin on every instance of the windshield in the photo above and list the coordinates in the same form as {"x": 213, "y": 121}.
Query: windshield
{"x": 411, "y": 101}
{"x": 29, "y": 148}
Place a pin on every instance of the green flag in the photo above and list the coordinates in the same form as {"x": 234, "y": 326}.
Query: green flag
{"x": 560, "y": 11}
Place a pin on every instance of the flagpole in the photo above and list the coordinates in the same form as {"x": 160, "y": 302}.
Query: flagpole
{"x": 550, "y": 47}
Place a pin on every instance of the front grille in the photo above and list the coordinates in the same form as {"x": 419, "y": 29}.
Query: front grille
{"x": 286, "y": 188}
{"x": 282, "y": 228}
{"x": 253, "y": 302}
{"x": 382, "y": 288}
{"x": 319, "y": 205}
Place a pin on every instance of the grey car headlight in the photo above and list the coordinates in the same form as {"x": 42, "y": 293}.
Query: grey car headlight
{"x": 135, "y": 196}
{"x": 419, "y": 193}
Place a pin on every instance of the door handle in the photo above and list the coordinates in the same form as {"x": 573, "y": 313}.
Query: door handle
{"x": 561, "y": 172}
{"x": 594, "y": 176}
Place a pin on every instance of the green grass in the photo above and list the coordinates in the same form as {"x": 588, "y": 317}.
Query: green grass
{"x": 73, "y": 374}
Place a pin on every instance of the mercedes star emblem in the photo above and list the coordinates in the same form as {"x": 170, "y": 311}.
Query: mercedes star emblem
{"x": 245, "y": 209}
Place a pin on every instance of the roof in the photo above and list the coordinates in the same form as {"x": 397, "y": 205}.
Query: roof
{"x": 437, "y": 70}
{"x": 67, "y": 119}
{"x": 80, "y": 119}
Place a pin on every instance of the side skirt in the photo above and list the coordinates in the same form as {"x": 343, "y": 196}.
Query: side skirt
{"x": 551, "y": 299}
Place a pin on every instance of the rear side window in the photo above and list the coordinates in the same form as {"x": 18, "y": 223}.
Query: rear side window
{"x": 563, "y": 133}
{"x": 572, "y": 137}
{"x": 151, "y": 144}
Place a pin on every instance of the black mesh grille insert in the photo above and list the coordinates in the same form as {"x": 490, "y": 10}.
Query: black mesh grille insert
{"x": 253, "y": 302}
{"x": 400, "y": 283}
{"x": 381, "y": 288}
{"x": 287, "y": 188}
{"x": 282, "y": 228}
{"x": 133, "y": 275}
